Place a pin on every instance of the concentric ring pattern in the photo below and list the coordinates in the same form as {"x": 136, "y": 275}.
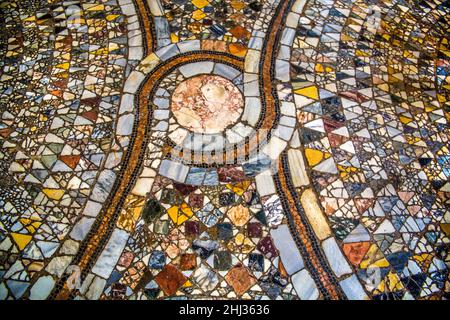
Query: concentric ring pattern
{"x": 224, "y": 149}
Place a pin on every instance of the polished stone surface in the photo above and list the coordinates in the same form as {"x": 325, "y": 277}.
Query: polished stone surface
{"x": 207, "y": 104}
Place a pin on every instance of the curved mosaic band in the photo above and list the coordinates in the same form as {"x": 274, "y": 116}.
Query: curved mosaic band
{"x": 147, "y": 84}
{"x": 343, "y": 196}
{"x": 104, "y": 224}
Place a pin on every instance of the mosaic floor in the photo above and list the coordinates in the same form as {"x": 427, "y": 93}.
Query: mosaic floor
{"x": 224, "y": 149}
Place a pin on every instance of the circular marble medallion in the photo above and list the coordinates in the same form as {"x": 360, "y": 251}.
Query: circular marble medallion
{"x": 207, "y": 104}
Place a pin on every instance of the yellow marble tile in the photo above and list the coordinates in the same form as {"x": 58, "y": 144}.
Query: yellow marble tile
{"x": 315, "y": 214}
{"x": 21, "y": 239}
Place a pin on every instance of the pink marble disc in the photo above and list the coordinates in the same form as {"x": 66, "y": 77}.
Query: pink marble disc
{"x": 207, "y": 104}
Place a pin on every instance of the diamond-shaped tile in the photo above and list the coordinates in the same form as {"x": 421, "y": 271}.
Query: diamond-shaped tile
{"x": 200, "y": 3}
{"x": 198, "y": 14}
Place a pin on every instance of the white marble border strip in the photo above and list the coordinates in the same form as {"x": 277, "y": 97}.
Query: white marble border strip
{"x": 107, "y": 176}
